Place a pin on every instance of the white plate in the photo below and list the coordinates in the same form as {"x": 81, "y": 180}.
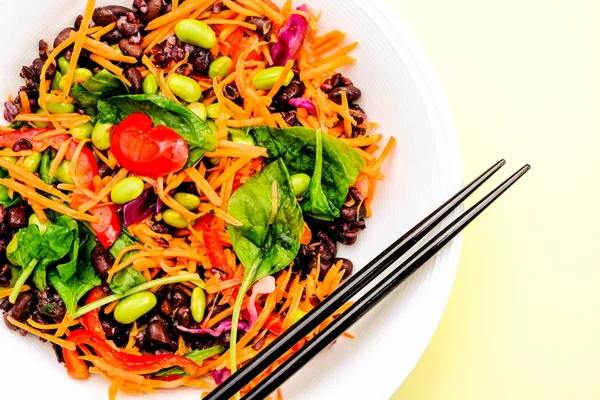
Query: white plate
{"x": 402, "y": 94}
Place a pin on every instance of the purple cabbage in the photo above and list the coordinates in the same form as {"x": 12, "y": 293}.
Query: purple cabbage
{"x": 141, "y": 208}
{"x": 290, "y": 38}
{"x": 221, "y": 375}
{"x": 301, "y": 102}
{"x": 223, "y": 327}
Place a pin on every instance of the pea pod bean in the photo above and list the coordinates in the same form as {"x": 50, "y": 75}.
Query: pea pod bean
{"x": 40, "y": 124}
{"x": 83, "y": 131}
{"x": 56, "y": 80}
{"x": 196, "y": 32}
{"x": 174, "y": 219}
{"x": 101, "y": 135}
{"x": 63, "y": 65}
{"x": 188, "y": 200}
{"x": 34, "y": 220}
{"x": 150, "y": 84}
{"x": 300, "y": 183}
{"x": 133, "y": 307}
{"x": 198, "y": 304}
{"x": 127, "y": 190}
{"x": 62, "y": 173}
{"x": 241, "y": 137}
{"x": 265, "y": 80}
{"x": 184, "y": 87}
{"x": 220, "y": 67}
{"x": 199, "y": 109}
{"x": 32, "y": 162}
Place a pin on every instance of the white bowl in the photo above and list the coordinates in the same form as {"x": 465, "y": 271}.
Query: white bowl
{"x": 402, "y": 94}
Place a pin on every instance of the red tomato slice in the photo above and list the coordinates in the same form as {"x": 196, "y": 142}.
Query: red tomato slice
{"x": 86, "y": 167}
{"x": 147, "y": 151}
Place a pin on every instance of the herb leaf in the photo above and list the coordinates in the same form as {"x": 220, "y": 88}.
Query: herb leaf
{"x": 102, "y": 84}
{"x": 129, "y": 277}
{"x": 5, "y": 199}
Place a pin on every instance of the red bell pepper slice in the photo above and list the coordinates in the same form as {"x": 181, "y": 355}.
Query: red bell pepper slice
{"x": 86, "y": 167}
{"x": 91, "y": 320}
{"x": 274, "y": 325}
{"x": 130, "y": 362}
{"x": 214, "y": 247}
{"x": 76, "y": 367}
{"x": 108, "y": 228}
{"x": 8, "y": 139}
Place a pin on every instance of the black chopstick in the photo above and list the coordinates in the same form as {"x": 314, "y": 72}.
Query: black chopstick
{"x": 344, "y": 293}
{"x": 371, "y": 298}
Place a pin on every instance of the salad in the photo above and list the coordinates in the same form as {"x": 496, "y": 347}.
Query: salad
{"x": 174, "y": 185}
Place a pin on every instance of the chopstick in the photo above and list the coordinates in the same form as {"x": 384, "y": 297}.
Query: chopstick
{"x": 355, "y": 284}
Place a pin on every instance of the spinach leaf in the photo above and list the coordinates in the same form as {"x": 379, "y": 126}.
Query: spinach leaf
{"x": 264, "y": 244}
{"x": 102, "y": 84}
{"x": 129, "y": 277}
{"x": 5, "y": 199}
{"x": 297, "y": 147}
{"x": 197, "y": 133}
{"x": 84, "y": 280}
{"x": 47, "y": 157}
{"x": 196, "y": 356}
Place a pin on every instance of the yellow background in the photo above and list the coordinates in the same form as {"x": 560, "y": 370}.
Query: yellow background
{"x": 523, "y": 81}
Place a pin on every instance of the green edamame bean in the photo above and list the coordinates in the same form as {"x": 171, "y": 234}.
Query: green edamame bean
{"x": 32, "y": 161}
{"x": 83, "y": 131}
{"x": 62, "y": 173}
{"x": 199, "y": 109}
{"x": 265, "y": 80}
{"x": 220, "y": 67}
{"x": 10, "y": 159}
{"x": 127, "y": 190}
{"x": 150, "y": 84}
{"x": 188, "y": 200}
{"x": 101, "y": 135}
{"x": 40, "y": 124}
{"x": 63, "y": 65}
{"x": 298, "y": 315}
{"x": 80, "y": 75}
{"x": 211, "y": 124}
{"x": 11, "y": 248}
{"x": 174, "y": 219}
{"x": 133, "y": 307}
{"x": 184, "y": 87}
{"x": 57, "y": 107}
{"x": 14, "y": 275}
{"x": 117, "y": 49}
{"x": 56, "y": 80}
{"x": 34, "y": 220}
{"x": 213, "y": 111}
{"x": 239, "y": 136}
{"x": 196, "y": 32}
{"x": 300, "y": 183}
{"x": 198, "y": 304}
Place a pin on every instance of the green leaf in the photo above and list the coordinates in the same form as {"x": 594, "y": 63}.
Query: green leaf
{"x": 102, "y": 84}
{"x": 264, "y": 245}
{"x": 68, "y": 269}
{"x": 297, "y": 147}
{"x": 5, "y": 199}
{"x": 196, "y": 356}
{"x": 129, "y": 277}
{"x": 197, "y": 133}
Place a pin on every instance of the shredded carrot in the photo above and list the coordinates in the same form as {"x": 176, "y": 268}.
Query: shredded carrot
{"x": 49, "y": 327}
{"x": 47, "y": 118}
{"x": 24, "y": 175}
{"x": 264, "y": 9}
{"x": 239, "y": 9}
{"x": 104, "y": 30}
{"x": 384, "y": 154}
{"x": 245, "y": 122}
{"x": 60, "y": 155}
{"x": 25, "y": 106}
{"x": 103, "y": 62}
{"x": 347, "y": 123}
{"x": 111, "y": 307}
{"x": 103, "y": 50}
{"x": 326, "y": 68}
{"x": 60, "y": 342}
{"x": 119, "y": 373}
{"x": 203, "y": 186}
{"x": 164, "y": 88}
{"x": 205, "y": 207}
{"x": 105, "y": 190}
{"x": 281, "y": 80}
{"x": 75, "y": 159}
{"x": 362, "y": 141}
{"x": 217, "y": 21}
{"x": 219, "y": 287}
{"x": 6, "y": 292}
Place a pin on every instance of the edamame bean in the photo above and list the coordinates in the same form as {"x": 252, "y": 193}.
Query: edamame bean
{"x": 32, "y": 161}
{"x": 199, "y": 109}
{"x": 174, "y": 219}
{"x": 57, "y": 107}
{"x": 213, "y": 111}
{"x": 10, "y": 159}
{"x": 184, "y": 87}
{"x": 62, "y": 173}
{"x": 265, "y": 80}
{"x": 196, "y": 32}
{"x": 213, "y": 127}
{"x": 40, "y": 124}
{"x": 127, "y": 190}
{"x": 101, "y": 135}
{"x": 198, "y": 304}
{"x": 188, "y": 200}
{"x": 220, "y": 67}
{"x": 63, "y": 65}
{"x": 56, "y": 80}
{"x": 80, "y": 75}
{"x": 241, "y": 137}
{"x": 150, "y": 84}
{"x": 300, "y": 183}
{"x": 34, "y": 220}
{"x": 83, "y": 131}
{"x": 133, "y": 307}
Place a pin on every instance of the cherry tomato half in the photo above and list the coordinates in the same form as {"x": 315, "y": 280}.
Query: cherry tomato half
{"x": 147, "y": 151}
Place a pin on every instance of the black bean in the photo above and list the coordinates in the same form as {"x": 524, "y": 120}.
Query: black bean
{"x": 162, "y": 242}
{"x": 158, "y": 332}
{"x": 21, "y": 145}
{"x": 37, "y": 66}
{"x": 290, "y": 118}
{"x": 43, "y": 49}
{"x": 5, "y": 305}
{"x": 133, "y": 75}
{"x": 103, "y": 169}
{"x": 328, "y": 243}
{"x": 17, "y": 216}
{"x": 184, "y": 69}
{"x": 130, "y": 49}
{"x": 259, "y": 344}
{"x": 263, "y": 25}
{"x": 51, "y": 305}
{"x": 5, "y": 275}
{"x": 10, "y": 111}
{"x": 109, "y": 327}
{"x": 357, "y": 132}
{"x": 7, "y": 322}
{"x": 28, "y": 73}
{"x": 129, "y": 25}
{"x": 154, "y": 8}
{"x": 362, "y": 224}
{"x": 232, "y": 92}
{"x": 294, "y": 90}
{"x": 352, "y": 93}
{"x": 217, "y": 8}
{"x": 183, "y": 316}
{"x": 109, "y": 14}
{"x": 113, "y": 36}
{"x": 22, "y": 307}
{"x": 160, "y": 227}
{"x": 179, "y": 299}
{"x": 358, "y": 113}
{"x": 62, "y": 36}
{"x": 356, "y": 194}
{"x": 347, "y": 266}
{"x": 200, "y": 60}
{"x": 78, "y": 21}
{"x": 102, "y": 260}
